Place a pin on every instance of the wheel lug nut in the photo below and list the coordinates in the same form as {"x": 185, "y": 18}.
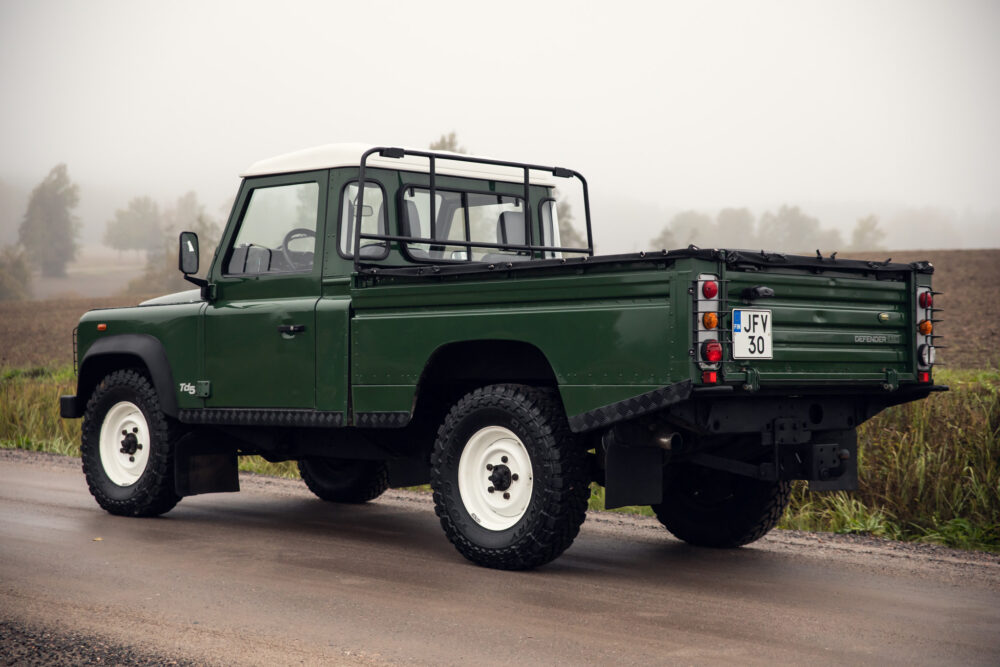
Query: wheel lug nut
{"x": 132, "y": 459}
{"x": 135, "y": 429}
{"x": 124, "y": 432}
{"x": 513, "y": 477}
{"x": 491, "y": 489}
{"x": 489, "y": 466}
{"x": 140, "y": 447}
{"x": 506, "y": 496}
{"x": 503, "y": 459}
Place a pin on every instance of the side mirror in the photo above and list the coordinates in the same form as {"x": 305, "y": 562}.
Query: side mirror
{"x": 187, "y": 255}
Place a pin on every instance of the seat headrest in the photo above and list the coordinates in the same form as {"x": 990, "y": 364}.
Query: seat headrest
{"x": 510, "y": 228}
{"x": 411, "y": 219}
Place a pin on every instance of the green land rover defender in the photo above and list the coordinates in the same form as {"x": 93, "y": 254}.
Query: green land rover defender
{"x": 393, "y": 317}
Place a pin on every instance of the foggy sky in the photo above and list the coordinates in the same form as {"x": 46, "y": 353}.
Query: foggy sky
{"x": 839, "y": 107}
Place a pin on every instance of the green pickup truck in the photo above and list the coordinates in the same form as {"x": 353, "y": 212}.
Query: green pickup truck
{"x": 393, "y": 317}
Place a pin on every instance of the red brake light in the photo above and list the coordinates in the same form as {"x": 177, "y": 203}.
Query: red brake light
{"x": 711, "y": 351}
{"x": 926, "y": 299}
{"x": 709, "y": 289}
{"x": 924, "y": 377}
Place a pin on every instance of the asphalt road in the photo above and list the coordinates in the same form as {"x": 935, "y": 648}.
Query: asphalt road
{"x": 273, "y": 576}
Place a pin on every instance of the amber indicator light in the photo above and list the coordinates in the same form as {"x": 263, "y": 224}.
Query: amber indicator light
{"x": 926, "y": 327}
{"x": 102, "y": 327}
{"x": 710, "y": 320}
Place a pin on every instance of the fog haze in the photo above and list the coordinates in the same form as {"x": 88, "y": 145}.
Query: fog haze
{"x": 841, "y": 108}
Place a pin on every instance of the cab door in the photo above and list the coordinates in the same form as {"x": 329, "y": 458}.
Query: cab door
{"x": 260, "y": 329}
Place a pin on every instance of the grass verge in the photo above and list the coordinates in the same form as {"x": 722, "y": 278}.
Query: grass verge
{"x": 929, "y": 470}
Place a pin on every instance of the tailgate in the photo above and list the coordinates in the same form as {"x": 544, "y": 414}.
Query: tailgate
{"x": 825, "y": 328}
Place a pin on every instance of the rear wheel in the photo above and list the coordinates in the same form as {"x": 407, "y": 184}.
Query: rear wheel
{"x": 713, "y": 508}
{"x": 345, "y": 480}
{"x": 509, "y": 478}
{"x": 128, "y": 447}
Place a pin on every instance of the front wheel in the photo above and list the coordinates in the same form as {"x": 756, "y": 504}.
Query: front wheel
{"x": 713, "y": 508}
{"x": 128, "y": 447}
{"x": 509, "y": 478}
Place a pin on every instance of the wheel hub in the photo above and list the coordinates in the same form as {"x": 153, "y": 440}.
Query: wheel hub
{"x": 130, "y": 443}
{"x": 501, "y": 477}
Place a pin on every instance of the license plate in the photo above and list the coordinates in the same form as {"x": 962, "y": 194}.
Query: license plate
{"x": 751, "y": 334}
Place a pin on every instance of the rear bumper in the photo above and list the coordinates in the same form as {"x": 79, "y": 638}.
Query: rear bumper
{"x": 69, "y": 407}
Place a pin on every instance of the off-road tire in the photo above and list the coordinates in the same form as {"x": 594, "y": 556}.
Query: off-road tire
{"x": 713, "y": 508}
{"x": 345, "y": 480}
{"x": 153, "y": 492}
{"x": 559, "y": 485}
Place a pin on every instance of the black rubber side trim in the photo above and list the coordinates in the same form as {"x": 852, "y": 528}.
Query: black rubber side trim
{"x": 147, "y": 348}
{"x": 381, "y": 419}
{"x": 261, "y": 417}
{"x": 631, "y": 407}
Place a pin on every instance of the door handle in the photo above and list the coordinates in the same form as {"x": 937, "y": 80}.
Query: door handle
{"x": 291, "y": 328}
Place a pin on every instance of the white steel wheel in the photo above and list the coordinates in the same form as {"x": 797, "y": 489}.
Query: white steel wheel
{"x": 124, "y": 443}
{"x": 495, "y": 479}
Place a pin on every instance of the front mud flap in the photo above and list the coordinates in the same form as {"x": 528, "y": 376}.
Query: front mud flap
{"x": 202, "y": 465}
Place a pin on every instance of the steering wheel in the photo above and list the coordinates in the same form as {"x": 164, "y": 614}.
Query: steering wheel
{"x": 295, "y": 234}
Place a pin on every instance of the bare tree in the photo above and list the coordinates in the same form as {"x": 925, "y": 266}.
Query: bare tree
{"x": 448, "y": 142}
{"x": 867, "y": 235}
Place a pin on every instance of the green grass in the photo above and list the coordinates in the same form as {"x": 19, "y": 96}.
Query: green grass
{"x": 929, "y": 470}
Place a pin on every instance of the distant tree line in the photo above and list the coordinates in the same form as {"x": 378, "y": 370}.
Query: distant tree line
{"x": 47, "y": 238}
{"x": 788, "y": 229}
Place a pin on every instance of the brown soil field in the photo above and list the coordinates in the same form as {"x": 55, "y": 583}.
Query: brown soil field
{"x": 37, "y": 333}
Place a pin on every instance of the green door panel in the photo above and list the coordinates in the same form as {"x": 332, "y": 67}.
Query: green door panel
{"x": 251, "y": 364}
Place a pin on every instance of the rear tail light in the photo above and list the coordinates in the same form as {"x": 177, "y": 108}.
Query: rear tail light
{"x": 925, "y": 338}
{"x": 710, "y": 289}
{"x": 711, "y": 351}
{"x": 926, "y": 355}
{"x": 710, "y": 377}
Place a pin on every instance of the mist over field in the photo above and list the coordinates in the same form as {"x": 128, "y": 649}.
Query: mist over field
{"x": 676, "y": 113}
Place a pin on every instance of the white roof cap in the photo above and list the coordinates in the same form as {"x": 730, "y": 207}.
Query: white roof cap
{"x": 349, "y": 155}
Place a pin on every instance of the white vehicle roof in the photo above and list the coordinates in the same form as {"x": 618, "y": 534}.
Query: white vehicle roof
{"x": 349, "y": 155}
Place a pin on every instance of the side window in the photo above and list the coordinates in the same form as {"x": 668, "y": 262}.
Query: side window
{"x": 496, "y": 219}
{"x": 463, "y": 216}
{"x": 373, "y": 220}
{"x": 278, "y": 231}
